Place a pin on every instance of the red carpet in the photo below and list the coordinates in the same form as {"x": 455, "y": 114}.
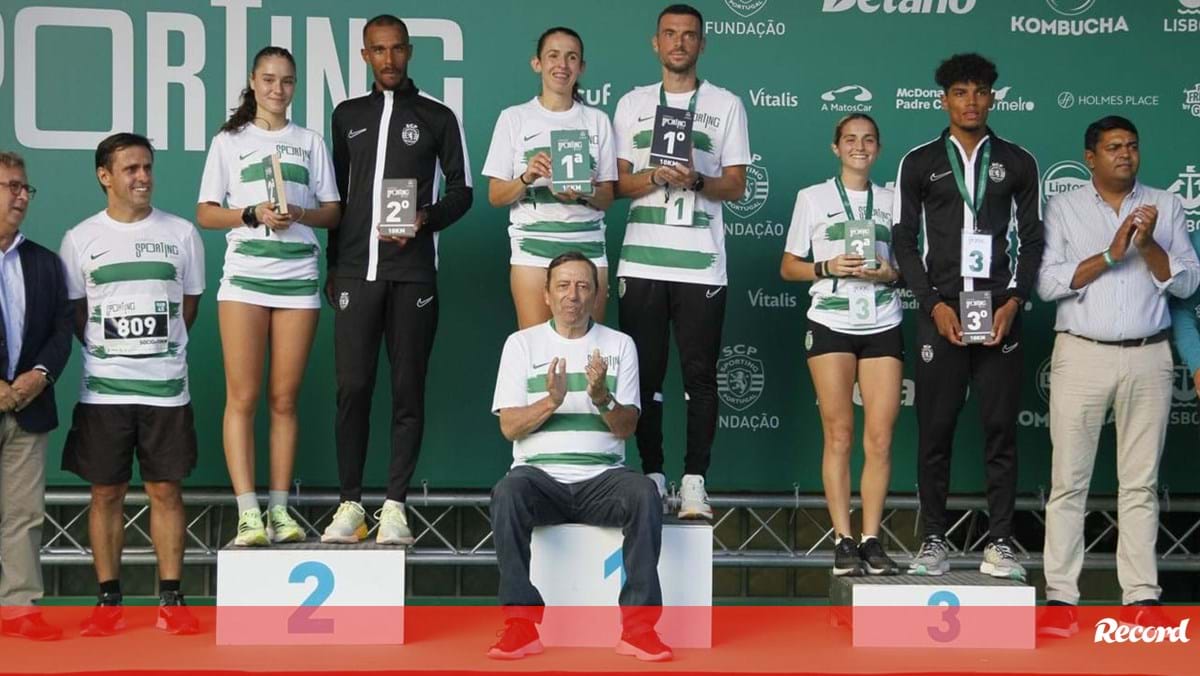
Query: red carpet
{"x": 445, "y": 640}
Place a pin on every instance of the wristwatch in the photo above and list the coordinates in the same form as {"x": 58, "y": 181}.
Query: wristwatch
{"x": 607, "y": 405}
{"x": 698, "y": 184}
{"x": 248, "y": 217}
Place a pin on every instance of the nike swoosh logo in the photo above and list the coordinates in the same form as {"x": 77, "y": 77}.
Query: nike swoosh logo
{"x": 541, "y": 365}
{"x": 833, "y": 213}
{"x": 938, "y": 177}
{"x": 242, "y": 157}
{"x": 643, "y": 119}
{"x": 533, "y": 136}
{"x": 95, "y": 256}
{"x": 1009, "y": 348}
{"x": 355, "y": 132}
{"x": 422, "y": 302}
{"x": 711, "y": 293}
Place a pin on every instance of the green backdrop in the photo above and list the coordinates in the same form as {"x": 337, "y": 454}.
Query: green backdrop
{"x": 70, "y": 72}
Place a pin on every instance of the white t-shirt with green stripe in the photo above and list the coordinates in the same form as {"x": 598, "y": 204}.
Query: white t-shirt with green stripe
{"x": 574, "y": 444}
{"x": 720, "y": 138}
{"x": 263, "y": 267}
{"x": 541, "y": 226}
{"x": 134, "y": 277}
{"x": 818, "y": 228}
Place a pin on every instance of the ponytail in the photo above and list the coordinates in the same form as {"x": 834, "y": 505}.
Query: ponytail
{"x": 242, "y": 115}
{"x": 541, "y": 41}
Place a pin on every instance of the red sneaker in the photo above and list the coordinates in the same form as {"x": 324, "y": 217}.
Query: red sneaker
{"x": 105, "y": 620}
{"x": 32, "y": 627}
{"x": 173, "y": 615}
{"x": 646, "y": 646}
{"x": 519, "y": 639}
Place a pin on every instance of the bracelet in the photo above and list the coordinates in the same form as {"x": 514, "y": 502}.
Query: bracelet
{"x": 1108, "y": 259}
{"x": 655, "y": 183}
{"x": 819, "y": 269}
{"x": 522, "y": 178}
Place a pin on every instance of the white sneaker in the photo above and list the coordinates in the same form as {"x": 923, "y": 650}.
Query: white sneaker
{"x": 393, "y": 525}
{"x": 693, "y": 499}
{"x": 349, "y": 525}
{"x": 660, "y": 481}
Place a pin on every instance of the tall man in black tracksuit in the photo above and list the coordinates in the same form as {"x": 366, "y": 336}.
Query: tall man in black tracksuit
{"x": 968, "y": 182}
{"x": 382, "y": 286}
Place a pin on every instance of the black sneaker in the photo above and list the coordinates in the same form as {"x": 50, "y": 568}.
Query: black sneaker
{"x": 876, "y": 561}
{"x": 845, "y": 558}
{"x": 1145, "y": 613}
{"x": 173, "y": 615}
{"x": 107, "y": 618}
{"x": 1059, "y": 620}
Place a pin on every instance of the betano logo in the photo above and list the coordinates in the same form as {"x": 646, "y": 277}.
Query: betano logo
{"x": 901, "y": 6}
{"x": 838, "y": 100}
{"x": 1063, "y": 177}
{"x": 1071, "y": 25}
{"x": 758, "y": 188}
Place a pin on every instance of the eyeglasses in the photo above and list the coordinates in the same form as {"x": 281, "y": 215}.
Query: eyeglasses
{"x": 15, "y": 187}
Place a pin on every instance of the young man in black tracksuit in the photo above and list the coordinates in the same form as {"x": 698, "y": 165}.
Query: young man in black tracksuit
{"x": 381, "y": 286}
{"x": 942, "y": 180}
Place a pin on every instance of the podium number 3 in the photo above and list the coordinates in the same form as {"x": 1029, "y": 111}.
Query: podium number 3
{"x": 949, "y": 617}
{"x": 302, "y": 621}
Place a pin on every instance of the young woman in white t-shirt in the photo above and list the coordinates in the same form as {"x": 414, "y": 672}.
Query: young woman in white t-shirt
{"x": 544, "y": 224}
{"x": 268, "y": 296}
{"x": 853, "y": 334}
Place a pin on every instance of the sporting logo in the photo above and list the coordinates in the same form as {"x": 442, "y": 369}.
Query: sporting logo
{"x": 1070, "y": 7}
{"x": 926, "y": 353}
{"x": 1063, "y": 177}
{"x": 1042, "y": 381}
{"x": 411, "y": 134}
{"x": 344, "y": 300}
{"x": 745, "y": 8}
{"x": 758, "y": 188}
{"x": 808, "y": 341}
{"x": 996, "y": 172}
{"x": 740, "y": 377}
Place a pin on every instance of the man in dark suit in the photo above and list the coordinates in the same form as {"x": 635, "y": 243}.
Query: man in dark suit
{"x": 35, "y": 343}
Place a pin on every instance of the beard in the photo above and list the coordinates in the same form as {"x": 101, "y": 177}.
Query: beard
{"x": 682, "y": 68}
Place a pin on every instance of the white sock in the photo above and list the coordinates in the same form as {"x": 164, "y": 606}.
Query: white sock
{"x": 247, "y": 502}
{"x": 277, "y": 498}
{"x": 868, "y": 537}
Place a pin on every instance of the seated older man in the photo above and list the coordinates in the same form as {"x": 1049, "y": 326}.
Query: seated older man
{"x": 567, "y": 397}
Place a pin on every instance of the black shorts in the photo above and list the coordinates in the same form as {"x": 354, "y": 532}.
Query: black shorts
{"x": 103, "y": 438}
{"x": 821, "y": 339}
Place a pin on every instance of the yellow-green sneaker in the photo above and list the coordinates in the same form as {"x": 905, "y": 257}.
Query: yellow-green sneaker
{"x": 250, "y": 532}
{"x": 393, "y": 525}
{"x": 281, "y": 527}
{"x": 349, "y": 524}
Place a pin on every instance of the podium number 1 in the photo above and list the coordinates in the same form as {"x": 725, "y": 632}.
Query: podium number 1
{"x": 302, "y": 621}
{"x": 949, "y": 617}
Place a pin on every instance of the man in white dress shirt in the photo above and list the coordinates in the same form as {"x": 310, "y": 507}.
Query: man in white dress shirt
{"x": 1115, "y": 251}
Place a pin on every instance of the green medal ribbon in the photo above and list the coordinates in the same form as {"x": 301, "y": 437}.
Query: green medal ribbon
{"x": 841, "y": 188}
{"x": 980, "y": 184}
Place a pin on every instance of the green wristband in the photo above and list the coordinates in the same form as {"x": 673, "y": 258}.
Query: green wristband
{"x": 1108, "y": 259}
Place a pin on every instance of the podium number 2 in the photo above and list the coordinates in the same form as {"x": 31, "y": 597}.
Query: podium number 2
{"x": 302, "y": 621}
{"x": 949, "y": 617}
